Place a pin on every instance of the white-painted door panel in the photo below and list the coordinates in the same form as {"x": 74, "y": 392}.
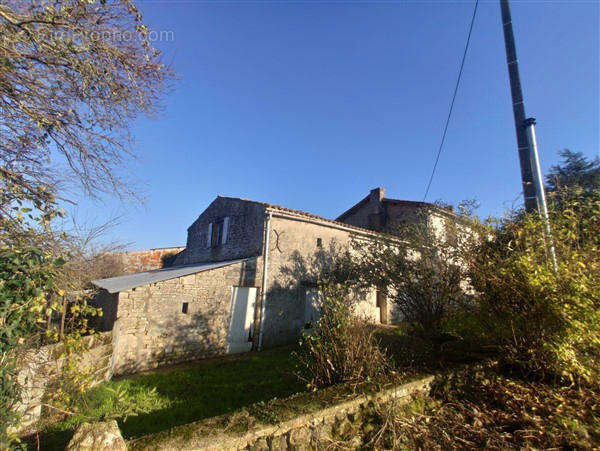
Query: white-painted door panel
{"x": 242, "y": 319}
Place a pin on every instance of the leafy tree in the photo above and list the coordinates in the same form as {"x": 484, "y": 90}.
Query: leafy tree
{"x": 574, "y": 171}
{"x": 25, "y": 275}
{"x": 74, "y": 75}
{"x": 422, "y": 271}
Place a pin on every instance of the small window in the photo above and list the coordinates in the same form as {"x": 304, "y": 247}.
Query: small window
{"x": 319, "y": 242}
{"x": 217, "y": 233}
{"x": 184, "y": 308}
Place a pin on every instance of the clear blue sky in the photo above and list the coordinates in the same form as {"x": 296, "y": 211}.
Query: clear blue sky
{"x": 310, "y": 104}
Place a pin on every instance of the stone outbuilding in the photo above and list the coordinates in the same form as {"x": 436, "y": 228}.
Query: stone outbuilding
{"x": 244, "y": 281}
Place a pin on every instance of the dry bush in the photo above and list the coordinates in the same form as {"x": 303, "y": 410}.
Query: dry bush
{"x": 89, "y": 252}
{"x": 478, "y": 409}
{"x": 341, "y": 348}
{"x": 483, "y": 409}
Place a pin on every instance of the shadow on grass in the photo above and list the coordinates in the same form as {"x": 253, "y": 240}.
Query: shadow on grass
{"x": 205, "y": 391}
{"x": 412, "y": 351}
{"x": 158, "y": 400}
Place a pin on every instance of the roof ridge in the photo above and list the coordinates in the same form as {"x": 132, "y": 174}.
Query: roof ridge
{"x": 303, "y": 213}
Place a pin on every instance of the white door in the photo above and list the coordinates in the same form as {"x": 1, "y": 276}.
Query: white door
{"x": 242, "y": 319}
{"x": 312, "y": 307}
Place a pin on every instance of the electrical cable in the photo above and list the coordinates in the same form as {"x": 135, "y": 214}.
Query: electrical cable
{"x": 462, "y": 65}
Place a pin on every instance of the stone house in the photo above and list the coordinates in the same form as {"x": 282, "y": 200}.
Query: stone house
{"x": 242, "y": 282}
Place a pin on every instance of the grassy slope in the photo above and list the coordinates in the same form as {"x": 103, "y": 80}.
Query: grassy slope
{"x": 158, "y": 400}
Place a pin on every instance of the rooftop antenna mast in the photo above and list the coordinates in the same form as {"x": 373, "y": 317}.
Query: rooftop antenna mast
{"x": 531, "y": 173}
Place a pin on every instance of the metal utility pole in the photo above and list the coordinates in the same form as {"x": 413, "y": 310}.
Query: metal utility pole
{"x": 527, "y": 172}
{"x": 531, "y": 173}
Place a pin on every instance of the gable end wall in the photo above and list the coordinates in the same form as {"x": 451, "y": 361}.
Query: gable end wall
{"x": 244, "y": 237}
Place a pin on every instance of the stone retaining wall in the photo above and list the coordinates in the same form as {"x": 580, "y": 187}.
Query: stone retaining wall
{"x": 39, "y": 367}
{"x": 309, "y": 431}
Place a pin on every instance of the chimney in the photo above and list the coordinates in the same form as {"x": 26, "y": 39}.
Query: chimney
{"x": 377, "y": 195}
{"x": 377, "y": 218}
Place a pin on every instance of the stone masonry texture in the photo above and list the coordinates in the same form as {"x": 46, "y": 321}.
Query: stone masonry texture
{"x": 244, "y": 237}
{"x": 297, "y": 251}
{"x": 102, "y": 436}
{"x": 314, "y": 430}
{"x": 151, "y": 329}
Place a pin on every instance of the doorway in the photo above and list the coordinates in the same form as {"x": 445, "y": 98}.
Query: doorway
{"x": 243, "y": 302}
{"x": 382, "y": 304}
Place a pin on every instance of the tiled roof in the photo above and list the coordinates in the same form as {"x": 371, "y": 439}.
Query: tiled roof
{"x": 304, "y": 214}
{"x": 416, "y": 203}
{"x": 412, "y": 203}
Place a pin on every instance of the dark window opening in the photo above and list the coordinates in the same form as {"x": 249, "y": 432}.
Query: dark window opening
{"x": 217, "y": 233}
{"x": 184, "y": 307}
{"x": 319, "y": 242}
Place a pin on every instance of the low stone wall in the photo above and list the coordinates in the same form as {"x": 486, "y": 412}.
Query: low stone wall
{"x": 308, "y": 431}
{"x": 39, "y": 367}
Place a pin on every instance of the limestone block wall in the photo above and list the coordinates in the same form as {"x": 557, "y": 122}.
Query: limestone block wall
{"x": 151, "y": 328}
{"x": 399, "y": 213}
{"x": 364, "y": 216}
{"x": 320, "y": 429}
{"x": 38, "y": 369}
{"x": 368, "y": 213}
{"x": 244, "y": 235}
{"x": 298, "y": 250}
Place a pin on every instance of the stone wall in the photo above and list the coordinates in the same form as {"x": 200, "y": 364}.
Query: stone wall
{"x": 375, "y": 212}
{"x": 244, "y": 235}
{"x": 146, "y": 260}
{"x": 151, "y": 328}
{"x": 314, "y": 430}
{"x": 40, "y": 367}
{"x": 298, "y": 250}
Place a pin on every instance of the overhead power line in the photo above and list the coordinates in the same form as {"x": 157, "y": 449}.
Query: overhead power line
{"x": 462, "y": 65}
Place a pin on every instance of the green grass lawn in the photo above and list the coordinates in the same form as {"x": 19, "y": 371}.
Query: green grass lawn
{"x": 158, "y": 400}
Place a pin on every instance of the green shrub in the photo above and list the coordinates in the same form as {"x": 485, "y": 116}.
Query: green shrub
{"x": 540, "y": 320}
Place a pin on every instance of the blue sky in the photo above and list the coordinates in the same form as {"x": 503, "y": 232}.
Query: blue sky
{"x": 310, "y": 104}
